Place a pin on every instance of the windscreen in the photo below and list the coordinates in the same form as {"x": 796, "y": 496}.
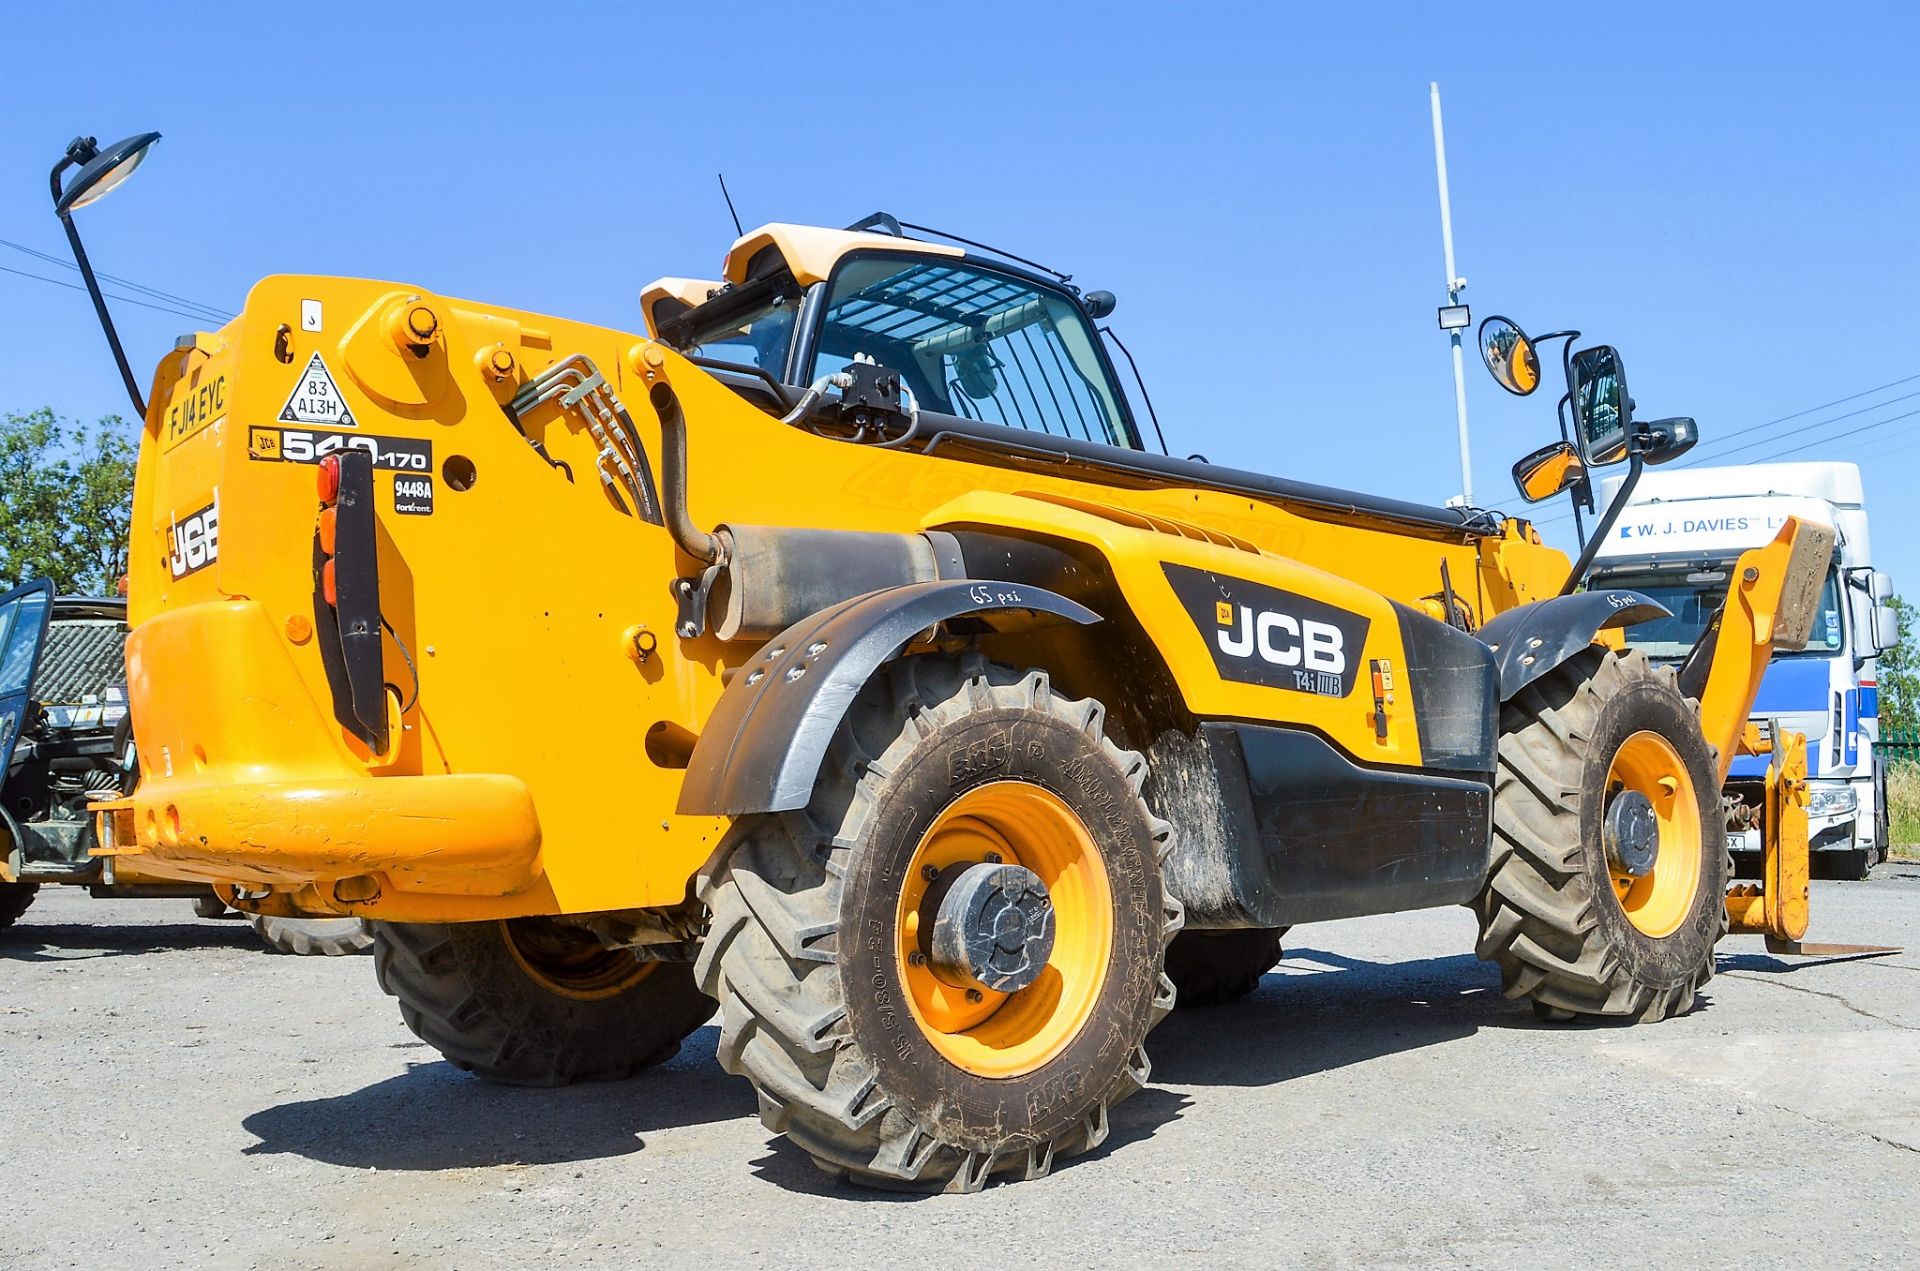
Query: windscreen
{"x": 1694, "y": 595}
{"x": 976, "y": 343}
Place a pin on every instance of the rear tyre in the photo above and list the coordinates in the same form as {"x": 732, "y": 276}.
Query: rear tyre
{"x": 313, "y": 937}
{"x": 1571, "y": 925}
{"x": 1855, "y": 866}
{"x": 881, "y": 1061}
{"x": 14, "y": 899}
{"x": 534, "y": 1001}
{"x": 1210, "y": 968}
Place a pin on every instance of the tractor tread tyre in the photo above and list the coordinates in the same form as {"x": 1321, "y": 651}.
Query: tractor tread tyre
{"x": 463, "y": 992}
{"x": 1211, "y": 968}
{"x": 1548, "y": 915}
{"x": 865, "y": 1103}
{"x": 14, "y": 900}
{"x": 312, "y": 937}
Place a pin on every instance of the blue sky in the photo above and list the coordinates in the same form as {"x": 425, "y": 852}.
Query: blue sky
{"x": 1727, "y": 193}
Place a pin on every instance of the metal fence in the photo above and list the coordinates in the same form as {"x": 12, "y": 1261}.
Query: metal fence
{"x": 1902, "y": 745}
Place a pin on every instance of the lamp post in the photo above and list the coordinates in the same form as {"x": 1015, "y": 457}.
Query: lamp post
{"x": 1454, "y": 316}
{"x": 100, "y": 171}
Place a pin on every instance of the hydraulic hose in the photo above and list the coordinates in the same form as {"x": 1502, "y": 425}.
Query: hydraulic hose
{"x": 694, "y": 541}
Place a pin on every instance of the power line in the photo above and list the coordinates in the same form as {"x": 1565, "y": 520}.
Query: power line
{"x": 74, "y": 286}
{"x": 1806, "y": 445}
{"x": 1827, "y": 441}
{"x": 154, "y": 292}
{"x": 1764, "y": 441}
{"x": 1838, "y": 401}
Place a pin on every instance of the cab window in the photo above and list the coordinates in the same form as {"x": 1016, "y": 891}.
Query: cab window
{"x": 974, "y": 342}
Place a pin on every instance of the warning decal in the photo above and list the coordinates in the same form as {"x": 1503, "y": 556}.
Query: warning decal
{"x": 316, "y": 399}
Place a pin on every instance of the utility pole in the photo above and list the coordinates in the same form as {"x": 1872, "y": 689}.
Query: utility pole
{"x": 1454, "y": 317}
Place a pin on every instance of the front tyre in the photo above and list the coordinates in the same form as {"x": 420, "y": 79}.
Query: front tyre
{"x": 944, "y": 968}
{"x": 1607, "y": 891}
{"x": 534, "y": 1001}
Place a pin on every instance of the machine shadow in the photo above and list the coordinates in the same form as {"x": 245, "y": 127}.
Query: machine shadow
{"x": 1321, "y": 1011}
{"x": 37, "y": 942}
{"x": 435, "y": 1117}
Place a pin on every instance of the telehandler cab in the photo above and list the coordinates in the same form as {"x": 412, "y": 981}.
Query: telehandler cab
{"x": 837, "y": 653}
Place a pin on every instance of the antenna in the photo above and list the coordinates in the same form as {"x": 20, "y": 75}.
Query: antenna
{"x": 737, "y": 231}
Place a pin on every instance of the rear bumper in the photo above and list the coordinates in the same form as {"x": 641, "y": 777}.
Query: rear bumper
{"x": 467, "y": 835}
{"x": 246, "y": 780}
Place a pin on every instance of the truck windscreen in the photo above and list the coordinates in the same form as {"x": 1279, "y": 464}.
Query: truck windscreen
{"x": 1693, "y": 596}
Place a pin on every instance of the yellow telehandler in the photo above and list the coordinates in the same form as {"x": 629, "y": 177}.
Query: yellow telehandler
{"x": 837, "y": 656}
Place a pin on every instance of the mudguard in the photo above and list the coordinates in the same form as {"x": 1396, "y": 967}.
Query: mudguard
{"x": 1530, "y": 641}
{"x": 762, "y": 747}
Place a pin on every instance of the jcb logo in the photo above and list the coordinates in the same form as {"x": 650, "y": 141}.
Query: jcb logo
{"x": 1281, "y": 638}
{"x": 1259, "y": 634}
{"x": 193, "y": 541}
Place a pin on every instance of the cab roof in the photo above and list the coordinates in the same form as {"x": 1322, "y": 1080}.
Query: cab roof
{"x": 809, "y": 253}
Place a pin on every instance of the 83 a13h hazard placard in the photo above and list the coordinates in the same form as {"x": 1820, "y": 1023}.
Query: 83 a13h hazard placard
{"x": 316, "y": 399}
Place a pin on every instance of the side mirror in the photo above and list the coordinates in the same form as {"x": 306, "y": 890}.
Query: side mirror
{"x": 1602, "y": 411}
{"x": 1882, "y": 587}
{"x": 1886, "y": 628}
{"x": 1509, "y": 356}
{"x": 1665, "y": 440}
{"x": 1548, "y": 471}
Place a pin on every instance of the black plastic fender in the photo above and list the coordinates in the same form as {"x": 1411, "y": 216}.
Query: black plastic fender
{"x": 762, "y": 747}
{"x": 1530, "y": 641}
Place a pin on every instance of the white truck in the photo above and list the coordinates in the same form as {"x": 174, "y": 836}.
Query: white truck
{"x": 1676, "y": 540}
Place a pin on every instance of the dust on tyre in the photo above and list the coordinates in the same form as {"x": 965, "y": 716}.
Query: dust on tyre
{"x": 835, "y": 947}
{"x": 1210, "y": 968}
{"x": 1607, "y": 889}
{"x": 536, "y": 1001}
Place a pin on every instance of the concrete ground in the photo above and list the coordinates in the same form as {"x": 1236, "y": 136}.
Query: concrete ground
{"x": 175, "y": 1095}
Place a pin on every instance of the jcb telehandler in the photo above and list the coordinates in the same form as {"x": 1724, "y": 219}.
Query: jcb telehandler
{"x": 837, "y": 652}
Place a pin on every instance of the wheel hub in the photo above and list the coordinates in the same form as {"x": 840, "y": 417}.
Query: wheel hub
{"x": 991, "y": 927}
{"x": 1632, "y": 834}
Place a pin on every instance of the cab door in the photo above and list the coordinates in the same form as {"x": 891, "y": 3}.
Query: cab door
{"x": 24, "y": 613}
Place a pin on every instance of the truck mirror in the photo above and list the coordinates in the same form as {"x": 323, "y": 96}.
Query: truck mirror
{"x": 1882, "y": 587}
{"x": 1602, "y": 411}
{"x": 1886, "y": 628}
{"x": 1547, "y": 471}
{"x": 1509, "y": 356}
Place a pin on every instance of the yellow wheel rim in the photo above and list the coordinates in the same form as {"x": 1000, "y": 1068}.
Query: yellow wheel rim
{"x": 994, "y": 1034}
{"x": 1658, "y": 903}
{"x": 570, "y": 961}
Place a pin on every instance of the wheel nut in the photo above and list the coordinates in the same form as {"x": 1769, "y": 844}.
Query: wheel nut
{"x": 930, "y": 872}
{"x": 976, "y": 996}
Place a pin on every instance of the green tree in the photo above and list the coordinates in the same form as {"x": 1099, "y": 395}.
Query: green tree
{"x": 1900, "y": 675}
{"x": 66, "y": 500}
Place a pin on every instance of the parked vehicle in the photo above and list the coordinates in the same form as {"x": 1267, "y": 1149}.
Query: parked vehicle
{"x": 67, "y": 741}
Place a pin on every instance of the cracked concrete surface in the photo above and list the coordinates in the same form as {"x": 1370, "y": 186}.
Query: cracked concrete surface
{"x": 177, "y": 1096}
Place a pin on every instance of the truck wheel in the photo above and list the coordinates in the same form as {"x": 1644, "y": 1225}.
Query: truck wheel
{"x": 313, "y": 937}
{"x": 1213, "y": 967}
{"x": 944, "y": 968}
{"x": 1607, "y": 890}
{"x": 14, "y": 899}
{"x": 535, "y": 1002}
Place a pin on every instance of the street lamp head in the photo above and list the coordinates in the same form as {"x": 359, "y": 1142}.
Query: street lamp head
{"x": 101, "y": 168}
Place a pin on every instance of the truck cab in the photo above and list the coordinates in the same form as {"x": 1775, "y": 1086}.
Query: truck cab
{"x": 1677, "y": 540}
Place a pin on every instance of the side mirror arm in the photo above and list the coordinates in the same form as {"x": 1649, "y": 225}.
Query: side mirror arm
{"x": 1635, "y": 465}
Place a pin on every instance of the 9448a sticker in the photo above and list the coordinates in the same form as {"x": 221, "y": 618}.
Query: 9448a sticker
{"x": 311, "y": 445}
